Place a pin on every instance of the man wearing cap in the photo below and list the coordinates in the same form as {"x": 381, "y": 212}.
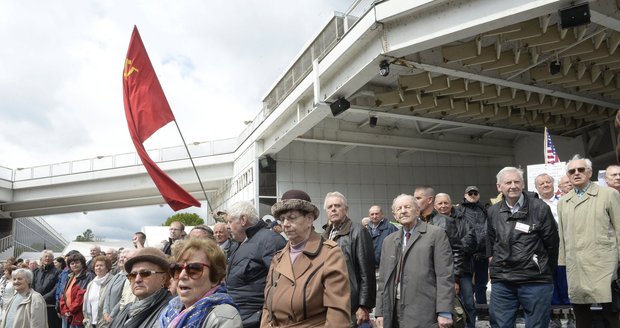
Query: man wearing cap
{"x": 308, "y": 284}
{"x": 249, "y": 261}
{"x": 357, "y": 247}
{"x": 148, "y": 273}
{"x": 476, "y": 217}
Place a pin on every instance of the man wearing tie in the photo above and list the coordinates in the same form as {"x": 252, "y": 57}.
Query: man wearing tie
{"x": 415, "y": 286}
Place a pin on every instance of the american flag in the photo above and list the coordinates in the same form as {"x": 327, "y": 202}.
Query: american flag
{"x": 551, "y": 157}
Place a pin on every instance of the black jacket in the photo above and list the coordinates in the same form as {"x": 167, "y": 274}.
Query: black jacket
{"x": 356, "y": 244}
{"x": 44, "y": 281}
{"x": 476, "y": 217}
{"x": 451, "y": 227}
{"x": 524, "y": 245}
{"x": 467, "y": 235}
{"x": 248, "y": 265}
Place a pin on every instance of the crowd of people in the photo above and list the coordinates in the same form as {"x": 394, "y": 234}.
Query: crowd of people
{"x": 537, "y": 249}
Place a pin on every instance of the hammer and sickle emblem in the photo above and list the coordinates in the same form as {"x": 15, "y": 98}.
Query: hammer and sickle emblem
{"x": 128, "y": 68}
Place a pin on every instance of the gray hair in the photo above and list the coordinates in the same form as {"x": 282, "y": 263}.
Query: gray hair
{"x": 25, "y": 273}
{"x": 428, "y": 190}
{"x": 577, "y": 157}
{"x": 47, "y": 252}
{"x": 400, "y": 197}
{"x": 242, "y": 208}
{"x": 509, "y": 169}
{"x": 443, "y": 194}
{"x": 336, "y": 194}
{"x": 543, "y": 175}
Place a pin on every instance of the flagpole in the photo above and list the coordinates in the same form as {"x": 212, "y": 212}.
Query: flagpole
{"x": 195, "y": 170}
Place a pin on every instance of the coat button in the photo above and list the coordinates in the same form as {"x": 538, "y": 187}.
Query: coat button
{"x": 293, "y": 284}
{"x": 290, "y": 317}
{"x": 275, "y": 284}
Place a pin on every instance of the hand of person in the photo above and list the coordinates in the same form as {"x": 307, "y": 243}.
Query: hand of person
{"x": 457, "y": 288}
{"x": 107, "y": 318}
{"x": 361, "y": 315}
{"x": 444, "y": 322}
{"x": 379, "y": 322}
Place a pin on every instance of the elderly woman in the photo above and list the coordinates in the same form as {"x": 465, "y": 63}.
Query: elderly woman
{"x": 308, "y": 283}
{"x": 96, "y": 292}
{"x": 72, "y": 299}
{"x": 202, "y": 299}
{"x": 147, "y": 271}
{"x": 26, "y": 308}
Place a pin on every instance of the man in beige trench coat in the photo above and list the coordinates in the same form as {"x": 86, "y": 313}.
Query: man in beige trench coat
{"x": 589, "y": 229}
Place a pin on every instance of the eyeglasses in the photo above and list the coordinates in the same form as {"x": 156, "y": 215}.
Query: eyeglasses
{"x": 580, "y": 169}
{"x": 193, "y": 270}
{"x": 473, "y": 193}
{"x": 142, "y": 273}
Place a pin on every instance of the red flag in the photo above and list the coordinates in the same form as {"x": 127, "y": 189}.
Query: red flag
{"x": 147, "y": 110}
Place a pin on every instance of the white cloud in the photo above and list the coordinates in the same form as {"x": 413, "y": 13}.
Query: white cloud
{"x": 60, "y": 78}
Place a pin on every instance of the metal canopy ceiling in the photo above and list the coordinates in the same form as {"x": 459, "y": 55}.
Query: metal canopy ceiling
{"x": 502, "y": 79}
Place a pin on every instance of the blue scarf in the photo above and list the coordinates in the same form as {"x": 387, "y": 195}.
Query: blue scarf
{"x": 174, "y": 315}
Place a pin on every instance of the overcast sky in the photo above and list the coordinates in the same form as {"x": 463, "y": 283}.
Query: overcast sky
{"x": 60, "y": 78}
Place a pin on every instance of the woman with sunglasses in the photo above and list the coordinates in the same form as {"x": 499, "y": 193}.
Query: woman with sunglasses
{"x": 202, "y": 299}
{"x": 148, "y": 274}
{"x": 308, "y": 282}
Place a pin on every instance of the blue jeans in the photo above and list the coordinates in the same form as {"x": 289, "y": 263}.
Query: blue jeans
{"x": 535, "y": 298}
{"x": 467, "y": 297}
{"x": 481, "y": 276}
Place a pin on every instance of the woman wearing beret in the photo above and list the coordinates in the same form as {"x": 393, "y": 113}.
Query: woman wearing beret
{"x": 308, "y": 283}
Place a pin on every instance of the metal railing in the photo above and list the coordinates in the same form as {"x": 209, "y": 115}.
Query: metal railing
{"x": 197, "y": 149}
{"x": 6, "y": 243}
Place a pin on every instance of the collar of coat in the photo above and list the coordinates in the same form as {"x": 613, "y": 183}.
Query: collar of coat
{"x": 522, "y": 212}
{"x": 592, "y": 190}
{"x": 343, "y": 230}
{"x": 419, "y": 229}
{"x": 311, "y": 250}
{"x": 251, "y": 231}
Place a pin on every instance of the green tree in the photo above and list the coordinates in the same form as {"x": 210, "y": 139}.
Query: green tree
{"x": 87, "y": 235}
{"x": 188, "y": 219}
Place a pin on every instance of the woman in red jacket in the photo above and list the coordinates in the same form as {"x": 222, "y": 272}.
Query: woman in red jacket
{"x": 73, "y": 298}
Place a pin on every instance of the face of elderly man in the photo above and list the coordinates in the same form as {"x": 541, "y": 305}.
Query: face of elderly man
{"x": 565, "y": 185}
{"x": 443, "y": 204}
{"x": 47, "y": 259}
{"x": 375, "y": 214}
{"x": 220, "y": 232}
{"x": 425, "y": 202}
{"x": 511, "y": 186}
{"x": 95, "y": 251}
{"x": 544, "y": 186}
{"x": 406, "y": 211}
{"x": 336, "y": 209}
{"x": 612, "y": 176}
{"x": 579, "y": 173}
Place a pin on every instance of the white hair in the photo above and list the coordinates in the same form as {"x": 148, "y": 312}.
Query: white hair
{"x": 403, "y": 196}
{"x": 578, "y": 157}
{"x": 242, "y": 208}
{"x": 508, "y": 169}
{"x": 336, "y": 194}
{"x": 25, "y": 273}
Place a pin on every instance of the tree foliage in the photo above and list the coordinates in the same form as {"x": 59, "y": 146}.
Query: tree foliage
{"x": 188, "y": 219}
{"x": 87, "y": 235}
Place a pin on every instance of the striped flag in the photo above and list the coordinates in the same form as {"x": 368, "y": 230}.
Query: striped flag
{"x": 551, "y": 157}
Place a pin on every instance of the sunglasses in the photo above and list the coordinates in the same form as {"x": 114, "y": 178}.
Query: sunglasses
{"x": 193, "y": 270}
{"x": 580, "y": 169}
{"x": 142, "y": 273}
{"x": 473, "y": 193}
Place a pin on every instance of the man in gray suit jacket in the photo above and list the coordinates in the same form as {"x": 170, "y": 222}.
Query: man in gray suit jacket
{"x": 416, "y": 285}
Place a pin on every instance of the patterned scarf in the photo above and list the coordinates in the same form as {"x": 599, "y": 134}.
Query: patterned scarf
{"x": 193, "y": 317}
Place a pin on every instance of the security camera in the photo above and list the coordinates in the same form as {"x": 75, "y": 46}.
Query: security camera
{"x": 384, "y": 68}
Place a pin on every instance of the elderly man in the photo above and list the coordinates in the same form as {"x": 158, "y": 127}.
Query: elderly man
{"x": 249, "y": 261}
{"x": 415, "y": 287}
{"x": 222, "y": 237}
{"x": 612, "y": 176}
{"x": 177, "y": 232}
{"x": 545, "y": 188}
{"x": 357, "y": 247}
{"x": 425, "y": 198}
{"x": 138, "y": 239}
{"x": 95, "y": 251}
{"x": 114, "y": 292}
{"x": 112, "y": 255}
{"x": 589, "y": 223}
{"x": 379, "y": 228}
{"x": 44, "y": 282}
{"x": 522, "y": 241}
{"x": 201, "y": 231}
{"x": 564, "y": 185}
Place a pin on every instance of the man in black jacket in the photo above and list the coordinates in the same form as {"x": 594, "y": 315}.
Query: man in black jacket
{"x": 356, "y": 244}
{"x": 523, "y": 243}
{"x": 44, "y": 282}
{"x": 249, "y": 260}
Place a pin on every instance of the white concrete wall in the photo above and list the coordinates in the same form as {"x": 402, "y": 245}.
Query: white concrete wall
{"x": 368, "y": 176}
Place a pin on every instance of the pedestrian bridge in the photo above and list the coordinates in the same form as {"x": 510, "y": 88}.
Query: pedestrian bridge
{"x": 108, "y": 182}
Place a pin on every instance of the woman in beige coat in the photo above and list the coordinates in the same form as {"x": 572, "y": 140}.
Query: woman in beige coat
{"x": 308, "y": 283}
{"x": 96, "y": 293}
{"x": 27, "y": 308}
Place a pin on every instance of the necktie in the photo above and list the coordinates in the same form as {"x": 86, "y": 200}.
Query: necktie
{"x": 407, "y": 236}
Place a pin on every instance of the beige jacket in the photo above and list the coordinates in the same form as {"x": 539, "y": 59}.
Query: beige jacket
{"x": 30, "y": 313}
{"x": 589, "y": 229}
